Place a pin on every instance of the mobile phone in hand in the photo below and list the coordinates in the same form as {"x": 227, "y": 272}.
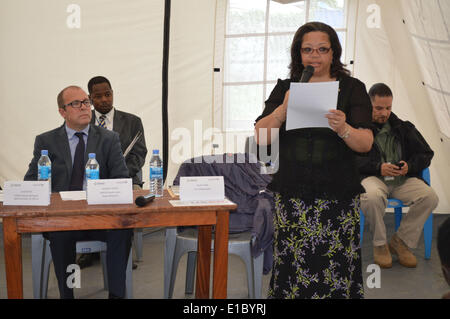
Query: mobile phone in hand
{"x": 400, "y": 165}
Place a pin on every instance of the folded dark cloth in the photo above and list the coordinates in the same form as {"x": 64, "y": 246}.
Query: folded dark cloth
{"x": 245, "y": 186}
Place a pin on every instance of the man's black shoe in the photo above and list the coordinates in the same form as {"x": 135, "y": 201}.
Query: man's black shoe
{"x": 87, "y": 260}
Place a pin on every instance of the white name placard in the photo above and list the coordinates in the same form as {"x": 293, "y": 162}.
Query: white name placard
{"x": 26, "y": 193}
{"x": 202, "y": 188}
{"x": 109, "y": 191}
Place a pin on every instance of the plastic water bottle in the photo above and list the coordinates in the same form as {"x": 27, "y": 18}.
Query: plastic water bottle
{"x": 45, "y": 169}
{"x": 92, "y": 168}
{"x": 156, "y": 175}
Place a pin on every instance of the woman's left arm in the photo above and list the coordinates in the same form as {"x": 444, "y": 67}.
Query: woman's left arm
{"x": 359, "y": 140}
{"x": 354, "y": 124}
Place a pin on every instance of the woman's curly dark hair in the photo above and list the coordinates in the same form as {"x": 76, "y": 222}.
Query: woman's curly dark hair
{"x": 296, "y": 66}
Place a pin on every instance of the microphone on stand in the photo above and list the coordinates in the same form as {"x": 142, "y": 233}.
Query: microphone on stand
{"x": 307, "y": 74}
{"x": 144, "y": 200}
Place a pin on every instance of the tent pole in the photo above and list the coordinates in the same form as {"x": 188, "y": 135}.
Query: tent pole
{"x": 165, "y": 87}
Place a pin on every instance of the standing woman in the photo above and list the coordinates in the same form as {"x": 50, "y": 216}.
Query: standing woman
{"x": 317, "y": 188}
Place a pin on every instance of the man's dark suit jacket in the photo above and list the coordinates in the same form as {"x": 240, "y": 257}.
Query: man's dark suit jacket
{"x": 105, "y": 144}
{"x": 128, "y": 125}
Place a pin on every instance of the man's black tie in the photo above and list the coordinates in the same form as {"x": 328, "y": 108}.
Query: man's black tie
{"x": 76, "y": 182}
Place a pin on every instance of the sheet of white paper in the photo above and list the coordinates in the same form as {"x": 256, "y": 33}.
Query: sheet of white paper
{"x": 73, "y": 195}
{"x": 309, "y": 102}
{"x": 109, "y": 191}
{"x": 27, "y": 193}
{"x": 202, "y": 188}
{"x": 178, "y": 203}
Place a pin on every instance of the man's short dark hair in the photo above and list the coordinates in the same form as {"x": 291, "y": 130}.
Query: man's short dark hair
{"x": 443, "y": 242}
{"x": 97, "y": 80}
{"x": 379, "y": 89}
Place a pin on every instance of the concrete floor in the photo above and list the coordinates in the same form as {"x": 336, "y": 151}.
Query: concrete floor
{"x": 424, "y": 282}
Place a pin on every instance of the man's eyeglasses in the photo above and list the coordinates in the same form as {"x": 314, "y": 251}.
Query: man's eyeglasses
{"x": 77, "y": 103}
{"x": 321, "y": 50}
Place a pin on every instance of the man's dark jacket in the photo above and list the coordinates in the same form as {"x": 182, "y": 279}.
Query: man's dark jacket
{"x": 414, "y": 150}
{"x": 127, "y": 125}
{"x": 105, "y": 144}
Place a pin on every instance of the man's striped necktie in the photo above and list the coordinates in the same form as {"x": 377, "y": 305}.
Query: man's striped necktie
{"x": 101, "y": 121}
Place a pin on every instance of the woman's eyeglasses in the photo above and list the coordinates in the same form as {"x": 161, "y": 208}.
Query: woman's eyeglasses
{"x": 321, "y": 50}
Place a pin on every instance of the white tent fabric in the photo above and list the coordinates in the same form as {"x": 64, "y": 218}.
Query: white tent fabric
{"x": 427, "y": 25}
{"x": 41, "y": 54}
{"x": 43, "y": 51}
{"x": 387, "y": 53}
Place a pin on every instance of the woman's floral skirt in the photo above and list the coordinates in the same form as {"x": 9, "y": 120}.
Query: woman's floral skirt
{"x": 316, "y": 249}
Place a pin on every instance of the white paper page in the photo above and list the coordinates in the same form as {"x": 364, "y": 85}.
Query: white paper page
{"x": 109, "y": 191}
{"x": 178, "y": 203}
{"x": 309, "y": 102}
{"x": 202, "y": 188}
{"x": 26, "y": 193}
{"x": 73, "y": 195}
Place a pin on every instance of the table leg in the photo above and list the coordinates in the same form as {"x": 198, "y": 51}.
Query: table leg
{"x": 203, "y": 262}
{"x": 13, "y": 258}
{"x": 221, "y": 256}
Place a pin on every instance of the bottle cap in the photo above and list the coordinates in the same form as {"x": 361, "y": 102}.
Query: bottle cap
{"x": 155, "y": 151}
{"x": 91, "y": 155}
{"x": 44, "y": 152}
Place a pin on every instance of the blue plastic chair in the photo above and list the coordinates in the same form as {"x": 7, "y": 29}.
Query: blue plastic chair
{"x": 398, "y": 205}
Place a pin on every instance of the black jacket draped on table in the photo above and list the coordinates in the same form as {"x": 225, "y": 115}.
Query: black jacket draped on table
{"x": 245, "y": 186}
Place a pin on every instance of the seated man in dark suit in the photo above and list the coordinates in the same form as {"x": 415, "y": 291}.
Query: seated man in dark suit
{"x": 128, "y": 126}
{"x": 68, "y": 146}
